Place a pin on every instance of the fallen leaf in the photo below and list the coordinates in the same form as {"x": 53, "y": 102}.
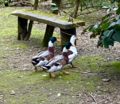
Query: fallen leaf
{"x": 105, "y": 80}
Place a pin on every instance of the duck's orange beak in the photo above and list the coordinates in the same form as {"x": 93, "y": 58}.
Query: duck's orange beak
{"x": 73, "y": 45}
{"x": 58, "y": 40}
{"x": 78, "y": 39}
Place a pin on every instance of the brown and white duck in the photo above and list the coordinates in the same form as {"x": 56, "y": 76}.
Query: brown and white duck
{"x": 57, "y": 62}
{"x": 44, "y": 56}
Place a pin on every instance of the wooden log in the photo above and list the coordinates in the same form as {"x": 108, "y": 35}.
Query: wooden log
{"x": 66, "y": 35}
{"x": 22, "y": 28}
{"x": 48, "y": 34}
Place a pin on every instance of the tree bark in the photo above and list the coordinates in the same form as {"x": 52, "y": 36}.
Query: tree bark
{"x": 31, "y": 22}
{"x": 35, "y": 5}
{"x": 76, "y": 8}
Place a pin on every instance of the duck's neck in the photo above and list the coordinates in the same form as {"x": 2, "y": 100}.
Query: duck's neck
{"x": 51, "y": 48}
{"x": 65, "y": 54}
{"x": 72, "y": 41}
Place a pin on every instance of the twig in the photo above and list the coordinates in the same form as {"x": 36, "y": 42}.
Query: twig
{"x": 85, "y": 72}
{"x": 91, "y": 97}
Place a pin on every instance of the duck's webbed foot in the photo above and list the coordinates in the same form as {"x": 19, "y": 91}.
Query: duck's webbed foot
{"x": 64, "y": 72}
{"x": 51, "y": 75}
{"x": 73, "y": 65}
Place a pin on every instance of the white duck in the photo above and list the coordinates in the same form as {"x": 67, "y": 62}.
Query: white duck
{"x": 44, "y": 56}
{"x": 72, "y": 53}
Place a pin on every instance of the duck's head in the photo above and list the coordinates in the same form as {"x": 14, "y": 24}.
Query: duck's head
{"x": 67, "y": 46}
{"x": 73, "y": 38}
{"x": 52, "y": 40}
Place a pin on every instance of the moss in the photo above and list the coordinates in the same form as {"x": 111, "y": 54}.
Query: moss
{"x": 40, "y": 12}
{"x": 67, "y": 18}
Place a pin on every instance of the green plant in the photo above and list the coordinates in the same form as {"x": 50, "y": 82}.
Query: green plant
{"x": 108, "y": 29}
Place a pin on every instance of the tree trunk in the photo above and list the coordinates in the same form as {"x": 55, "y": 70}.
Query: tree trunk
{"x": 35, "y": 5}
{"x": 31, "y": 22}
{"x": 76, "y": 8}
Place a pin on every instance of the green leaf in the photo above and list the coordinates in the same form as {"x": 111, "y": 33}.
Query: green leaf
{"x": 118, "y": 21}
{"x": 117, "y": 17}
{"x": 112, "y": 1}
{"x": 105, "y": 43}
{"x": 108, "y": 33}
{"x": 105, "y": 7}
{"x": 116, "y": 35}
{"x": 53, "y": 6}
{"x": 104, "y": 25}
{"x": 112, "y": 24}
{"x": 108, "y": 11}
{"x": 110, "y": 42}
{"x": 93, "y": 27}
{"x": 105, "y": 17}
{"x": 87, "y": 29}
{"x": 118, "y": 11}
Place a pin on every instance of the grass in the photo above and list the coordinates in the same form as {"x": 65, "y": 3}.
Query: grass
{"x": 36, "y": 87}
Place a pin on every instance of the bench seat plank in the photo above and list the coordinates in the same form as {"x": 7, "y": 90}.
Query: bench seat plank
{"x": 53, "y": 21}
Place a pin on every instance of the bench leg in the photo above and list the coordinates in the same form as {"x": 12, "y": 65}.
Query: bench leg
{"x": 66, "y": 34}
{"x": 22, "y": 28}
{"x": 29, "y": 30}
{"x": 48, "y": 34}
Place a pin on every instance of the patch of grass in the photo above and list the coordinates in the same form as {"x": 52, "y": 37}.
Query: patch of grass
{"x": 112, "y": 67}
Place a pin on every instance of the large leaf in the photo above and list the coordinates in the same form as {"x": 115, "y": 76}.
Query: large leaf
{"x": 93, "y": 27}
{"x": 118, "y": 10}
{"x": 104, "y": 25}
{"x": 112, "y": 1}
{"x": 106, "y": 39}
{"x": 117, "y": 17}
{"x": 110, "y": 42}
{"x": 108, "y": 33}
{"x": 87, "y": 29}
{"x": 106, "y": 16}
{"x": 118, "y": 21}
{"x": 112, "y": 24}
{"x": 116, "y": 35}
{"x": 105, "y": 43}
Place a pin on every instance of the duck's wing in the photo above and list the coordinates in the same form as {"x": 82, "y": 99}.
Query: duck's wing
{"x": 70, "y": 52}
{"x": 42, "y": 54}
{"x": 54, "y": 60}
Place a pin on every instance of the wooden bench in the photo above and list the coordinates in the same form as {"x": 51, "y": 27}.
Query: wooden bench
{"x": 66, "y": 28}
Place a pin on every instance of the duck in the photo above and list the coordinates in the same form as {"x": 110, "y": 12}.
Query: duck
{"x": 44, "y": 56}
{"x": 57, "y": 62}
{"x": 72, "y": 52}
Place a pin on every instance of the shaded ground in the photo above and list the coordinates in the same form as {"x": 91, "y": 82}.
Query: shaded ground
{"x": 95, "y": 81}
